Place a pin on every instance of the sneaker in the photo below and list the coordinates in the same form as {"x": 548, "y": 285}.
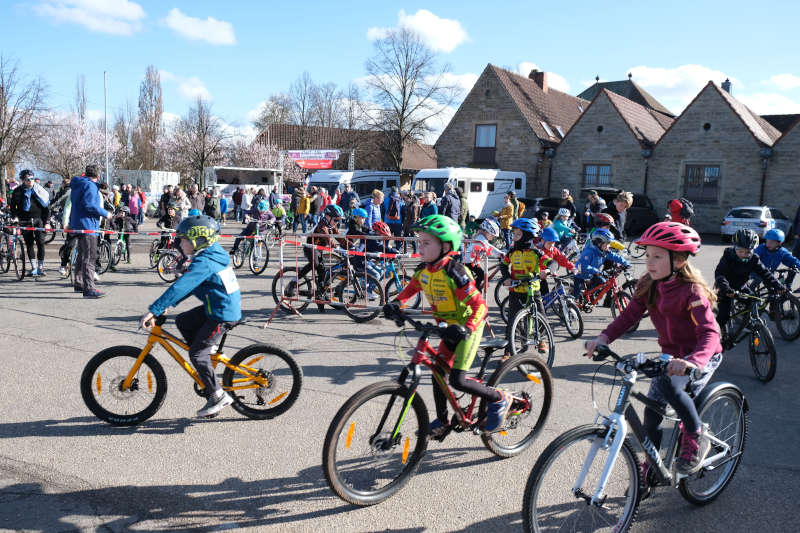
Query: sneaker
{"x": 497, "y": 411}
{"x": 62, "y": 271}
{"x": 694, "y": 449}
{"x": 543, "y": 347}
{"x": 438, "y": 430}
{"x": 40, "y": 272}
{"x": 94, "y": 294}
{"x": 291, "y": 289}
{"x": 215, "y": 403}
{"x": 34, "y": 272}
{"x": 96, "y": 276}
{"x": 77, "y": 288}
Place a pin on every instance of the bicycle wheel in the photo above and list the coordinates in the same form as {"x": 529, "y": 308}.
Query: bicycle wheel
{"x": 529, "y": 381}
{"x": 104, "y": 256}
{"x": 241, "y": 252}
{"x": 572, "y": 318}
{"x": 49, "y": 235}
{"x": 365, "y": 459}
{"x": 634, "y": 250}
{"x": 763, "y": 357}
{"x": 528, "y": 329}
{"x": 292, "y": 288}
{"x": 503, "y": 308}
{"x": 153, "y": 253}
{"x": 276, "y": 367}
{"x": 18, "y": 259}
{"x": 5, "y": 254}
{"x": 500, "y": 290}
{"x": 396, "y": 283}
{"x": 272, "y": 236}
{"x": 167, "y": 267}
{"x": 619, "y": 302}
{"x": 726, "y": 415}
{"x": 102, "y": 379}
{"x": 259, "y": 257}
{"x": 362, "y": 302}
{"x": 116, "y": 254}
{"x": 551, "y": 504}
{"x": 787, "y": 317}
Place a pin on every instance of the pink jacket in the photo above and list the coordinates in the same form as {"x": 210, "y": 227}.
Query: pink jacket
{"x": 683, "y": 319}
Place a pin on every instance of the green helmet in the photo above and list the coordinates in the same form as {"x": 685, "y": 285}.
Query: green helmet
{"x": 442, "y": 227}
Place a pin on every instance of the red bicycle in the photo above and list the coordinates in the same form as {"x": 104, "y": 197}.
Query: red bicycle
{"x": 619, "y": 295}
{"x": 377, "y": 440}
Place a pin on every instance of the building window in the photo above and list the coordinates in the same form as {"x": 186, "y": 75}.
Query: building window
{"x": 475, "y": 186}
{"x": 701, "y": 183}
{"x": 596, "y": 175}
{"x": 490, "y": 186}
{"x": 485, "y": 144}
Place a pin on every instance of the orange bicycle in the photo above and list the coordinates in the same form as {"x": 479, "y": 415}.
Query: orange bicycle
{"x": 619, "y": 295}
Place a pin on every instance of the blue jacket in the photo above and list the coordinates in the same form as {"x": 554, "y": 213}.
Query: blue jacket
{"x": 87, "y": 210}
{"x": 387, "y": 202}
{"x": 562, "y": 228}
{"x": 772, "y": 260}
{"x": 591, "y": 261}
{"x": 373, "y": 213}
{"x": 211, "y": 279}
{"x": 428, "y": 209}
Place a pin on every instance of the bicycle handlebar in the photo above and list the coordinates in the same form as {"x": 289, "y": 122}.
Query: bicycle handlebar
{"x": 650, "y": 367}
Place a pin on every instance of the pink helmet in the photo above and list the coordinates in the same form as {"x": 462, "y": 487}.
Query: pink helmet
{"x": 672, "y": 236}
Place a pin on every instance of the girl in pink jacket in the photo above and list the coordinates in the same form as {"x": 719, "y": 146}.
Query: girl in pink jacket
{"x": 679, "y": 303}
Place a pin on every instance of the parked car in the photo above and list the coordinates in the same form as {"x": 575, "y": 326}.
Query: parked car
{"x": 639, "y": 217}
{"x": 757, "y": 218}
{"x": 534, "y": 205}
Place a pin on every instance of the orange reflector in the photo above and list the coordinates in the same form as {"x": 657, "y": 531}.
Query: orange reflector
{"x": 755, "y": 341}
{"x": 278, "y": 398}
{"x": 150, "y": 383}
{"x": 406, "y": 446}
{"x": 99, "y": 388}
{"x": 350, "y": 435}
{"x": 254, "y": 360}
{"x": 533, "y": 378}
{"x": 504, "y": 433}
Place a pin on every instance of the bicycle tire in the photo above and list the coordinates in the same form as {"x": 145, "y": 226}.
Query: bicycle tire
{"x": 500, "y": 290}
{"x": 760, "y": 334}
{"x": 167, "y": 267}
{"x": 396, "y": 284}
{"x": 49, "y": 236}
{"x": 688, "y": 485}
{"x": 276, "y": 400}
{"x": 237, "y": 258}
{"x": 116, "y": 254}
{"x": 103, "y": 256}
{"x": 634, "y": 250}
{"x": 5, "y": 254}
{"x": 518, "y": 343}
{"x": 355, "y": 295}
{"x": 619, "y": 302}
{"x": 787, "y": 321}
{"x": 303, "y": 289}
{"x": 536, "y": 514}
{"x": 18, "y": 254}
{"x": 343, "y": 428}
{"x": 91, "y": 381}
{"x": 258, "y": 252}
{"x": 537, "y": 376}
{"x": 503, "y": 309}
{"x": 153, "y": 253}
{"x": 572, "y": 318}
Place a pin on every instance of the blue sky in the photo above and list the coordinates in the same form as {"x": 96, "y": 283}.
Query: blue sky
{"x": 237, "y": 53}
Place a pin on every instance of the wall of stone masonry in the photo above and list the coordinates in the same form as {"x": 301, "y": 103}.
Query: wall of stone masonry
{"x": 782, "y": 188}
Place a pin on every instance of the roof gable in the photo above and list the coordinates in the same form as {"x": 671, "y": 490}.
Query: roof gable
{"x": 628, "y": 89}
{"x": 794, "y": 129}
{"x": 555, "y": 108}
{"x": 641, "y": 120}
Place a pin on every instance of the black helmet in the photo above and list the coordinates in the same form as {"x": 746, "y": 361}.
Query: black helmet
{"x": 201, "y": 230}
{"x": 25, "y": 173}
{"x": 745, "y": 238}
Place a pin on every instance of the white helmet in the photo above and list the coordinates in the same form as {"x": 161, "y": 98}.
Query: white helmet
{"x": 563, "y": 212}
{"x": 491, "y": 227}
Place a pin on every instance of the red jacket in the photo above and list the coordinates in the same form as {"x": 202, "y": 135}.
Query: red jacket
{"x": 682, "y": 317}
{"x": 555, "y": 254}
{"x": 675, "y": 207}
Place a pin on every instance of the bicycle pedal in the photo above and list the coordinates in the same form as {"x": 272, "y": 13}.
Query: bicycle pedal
{"x": 215, "y": 415}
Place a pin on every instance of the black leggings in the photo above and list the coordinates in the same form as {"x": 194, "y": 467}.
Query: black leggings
{"x": 460, "y": 382}
{"x": 30, "y": 236}
{"x": 673, "y": 391}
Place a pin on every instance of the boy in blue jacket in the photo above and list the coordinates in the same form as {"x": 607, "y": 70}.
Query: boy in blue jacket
{"x": 773, "y": 254}
{"x": 210, "y": 278}
{"x": 589, "y": 265}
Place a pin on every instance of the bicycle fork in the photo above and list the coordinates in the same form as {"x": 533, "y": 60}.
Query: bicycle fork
{"x": 619, "y": 428}
{"x": 387, "y": 444}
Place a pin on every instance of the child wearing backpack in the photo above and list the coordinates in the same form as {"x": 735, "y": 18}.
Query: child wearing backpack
{"x": 681, "y": 210}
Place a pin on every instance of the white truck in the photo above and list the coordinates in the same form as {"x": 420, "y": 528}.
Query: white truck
{"x": 485, "y": 188}
{"x": 363, "y": 181}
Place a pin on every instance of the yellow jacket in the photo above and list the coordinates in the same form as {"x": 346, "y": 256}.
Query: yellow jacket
{"x": 304, "y": 205}
{"x": 506, "y": 216}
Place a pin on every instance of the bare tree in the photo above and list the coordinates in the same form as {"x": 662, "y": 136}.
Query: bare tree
{"x": 198, "y": 141}
{"x": 149, "y": 127}
{"x": 301, "y": 94}
{"x": 125, "y": 133}
{"x": 21, "y": 107}
{"x": 327, "y": 106}
{"x": 79, "y": 104}
{"x": 409, "y": 90}
{"x": 277, "y": 110}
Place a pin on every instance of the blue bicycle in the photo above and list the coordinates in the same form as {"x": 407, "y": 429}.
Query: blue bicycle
{"x": 557, "y": 302}
{"x": 394, "y": 272}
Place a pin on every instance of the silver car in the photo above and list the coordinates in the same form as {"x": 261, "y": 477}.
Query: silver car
{"x": 757, "y": 218}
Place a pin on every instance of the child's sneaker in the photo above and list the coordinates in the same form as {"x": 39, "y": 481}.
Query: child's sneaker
{"x": 438, "y": 430}
{"x": 694, "y": 449}
{"x": 216, "y": 403}
{"x": 543, "y": 347}
{"x": 497, "y": 411}
{"x": 62, "y": 271}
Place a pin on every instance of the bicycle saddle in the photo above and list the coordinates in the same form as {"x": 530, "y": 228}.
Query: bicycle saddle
{"x": 493, "y": 343}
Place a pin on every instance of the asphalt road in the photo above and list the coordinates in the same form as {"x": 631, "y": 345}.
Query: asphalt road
{"x": 61, "y": 469}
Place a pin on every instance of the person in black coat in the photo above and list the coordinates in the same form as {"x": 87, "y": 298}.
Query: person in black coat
{"x": 30, "y": 204}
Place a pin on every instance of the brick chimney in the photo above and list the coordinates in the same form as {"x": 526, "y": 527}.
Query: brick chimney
{"x": 726, "y": 85}
{"x": 540, "y": 78}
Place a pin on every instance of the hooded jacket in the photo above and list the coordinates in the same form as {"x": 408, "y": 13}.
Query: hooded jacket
{"x": 211, "y": 279}
{"x": 773, "y": 260}
{"x": 732, "y": 273}
{"x": 86, "y": 207}
{"x": 591, "y": 260}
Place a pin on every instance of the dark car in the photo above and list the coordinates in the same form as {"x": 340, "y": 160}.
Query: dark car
{"x": 534, "y": 205}
{"x": 640, "y": 216}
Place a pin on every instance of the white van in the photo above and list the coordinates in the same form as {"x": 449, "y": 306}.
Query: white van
{"x": 330, "y": 179}
{"x": 366, "y": 181}
{"x": 485, "y": 188}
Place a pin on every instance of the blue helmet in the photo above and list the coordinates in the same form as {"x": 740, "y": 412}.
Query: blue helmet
{"x": 602, "y": 235}
{"x": 194, "y": 213}
{"x": 262, "y": 205}
{"x": 549, "y": 235}
{"x": 775, "y": 235}
{"x": 359, "y": 212}
{"x": 526, "y": 224}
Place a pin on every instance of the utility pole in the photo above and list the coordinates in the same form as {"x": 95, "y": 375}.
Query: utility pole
{"x": 105, "y": 121}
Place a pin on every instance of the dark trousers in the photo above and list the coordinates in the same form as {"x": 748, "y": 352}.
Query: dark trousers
{"x": 202, "y": 334}
{"x": 34, "y": 236}
{"x": 409, "y": 244}
{"x": 87, "y": 257}
{"x": 723, "y": 312}
{"x": 458, "y": 381}
{"x": 517, "y": 302}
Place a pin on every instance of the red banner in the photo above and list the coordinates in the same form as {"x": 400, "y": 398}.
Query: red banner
{"x": 315, "y": 163}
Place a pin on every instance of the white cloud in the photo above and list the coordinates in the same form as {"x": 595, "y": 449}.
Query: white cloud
{"x": 170, "y": 118}
{"x": 785, "y": 82}
{"x": 190, "y": 88}
{"x": 676, "y": 87}
{"x": 463, "y": 81}
{"x": 769, "y": 103}
{"x": 120, "y": 17}
{"x": 442, "y": 35}
{"x": 210, "y": 30}
{"x": 555, "y": 81}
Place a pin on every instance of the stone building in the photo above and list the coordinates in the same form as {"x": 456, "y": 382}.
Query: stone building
{"x": 716, "y": 154}
{"x": 609, "y": 145}
{"x": 783, "y": 172}
{"x": 628, "y": 89}
{"x": 510, "y": 122}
